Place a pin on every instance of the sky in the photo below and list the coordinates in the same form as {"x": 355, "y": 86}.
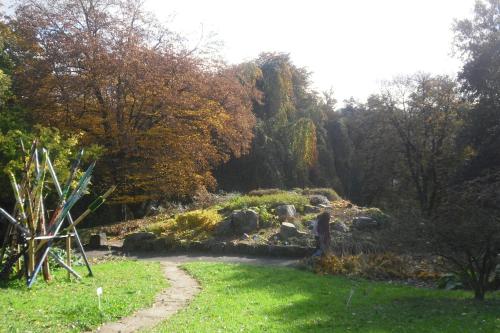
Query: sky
{"x": 350, "y": 46}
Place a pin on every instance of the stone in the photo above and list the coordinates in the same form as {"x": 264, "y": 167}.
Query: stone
{"x": 363, "y": 223}
{"x": 138, "y": 241}
{"x": 310, "y": 209}
{"x": 224, "y": 227}
{"x": 244, "y": 221}
{"x": 285, "y": 212}
{"x": 98, "y": 240}
{"x": 339, "y": 226}
{"x": 288, "y": 230}
{"x": 291, "y": 251}
{"x": 318, "y": 199}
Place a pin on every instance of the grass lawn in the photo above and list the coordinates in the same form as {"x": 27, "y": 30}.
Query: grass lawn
{"x": 63, "y": 306}
{"x": 239, "y": 298}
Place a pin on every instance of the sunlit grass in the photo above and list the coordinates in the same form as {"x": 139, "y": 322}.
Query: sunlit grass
{"x": 63, "y": 305}
{"x": 240, "y": 298}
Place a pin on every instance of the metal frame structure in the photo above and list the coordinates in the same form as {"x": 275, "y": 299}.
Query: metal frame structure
{"x": 32, "y": 231}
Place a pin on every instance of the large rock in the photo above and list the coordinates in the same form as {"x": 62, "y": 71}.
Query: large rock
{"x": 225, "y": 227}
{"x": 244, "y": 221}
{"x": 317, "y": 200}
{"x": 285, "y": 212}
{"x": 288, "y": 230}
{"x": 364, "y": 223}
{"x": 309, "y": 209}
{"x": 138, "y": 241}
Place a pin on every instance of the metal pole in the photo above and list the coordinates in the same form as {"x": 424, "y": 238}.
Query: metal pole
{"x": 70, "y": 218}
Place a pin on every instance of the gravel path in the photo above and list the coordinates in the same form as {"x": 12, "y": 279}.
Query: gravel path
{"x": 183, "y": 288}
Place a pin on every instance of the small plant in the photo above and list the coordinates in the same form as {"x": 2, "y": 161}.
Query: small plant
{"x": 450, "y": 282}
{"x": 76, "y": 258}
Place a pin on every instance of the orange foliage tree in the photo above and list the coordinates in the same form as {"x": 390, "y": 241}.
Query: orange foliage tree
{"x": 165, "y": 114}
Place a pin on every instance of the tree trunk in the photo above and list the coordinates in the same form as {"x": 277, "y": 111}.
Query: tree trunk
{"x": 479, "y": 292}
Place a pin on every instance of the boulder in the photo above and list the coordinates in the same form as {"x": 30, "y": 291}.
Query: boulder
{"x": 285, "y": 212}
{"x": 244, "y": 221}
{"x": 309, "y": 209}
{"x": 363, "y": 223}
{"x": 318, "y": 199}
{"x": 225, "y": 227}
{"x": 288, "y": 230}
{"x": 98, "y": 240}
{"x": 339, "y": 226}
{"x": 138, "y": 241}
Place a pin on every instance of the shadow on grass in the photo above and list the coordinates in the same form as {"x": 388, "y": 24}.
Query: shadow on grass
{"x": 310, "y": 303}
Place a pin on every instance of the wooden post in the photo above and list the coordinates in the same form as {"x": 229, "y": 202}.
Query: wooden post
{"x": 68, "y": 253}
{"x": 18, "y": 261}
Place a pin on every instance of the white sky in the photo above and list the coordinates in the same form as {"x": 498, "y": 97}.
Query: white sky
{"x": 350, "y": 46}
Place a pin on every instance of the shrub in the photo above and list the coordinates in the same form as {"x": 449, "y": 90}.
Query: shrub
{"x": 266, "y": 218}
{"x": 376, "y": 214}
{"x": 327, "y": 192}
{"x": 193, "y": 225}
{"x": 268, "y": 200}
{"x": 345, "y": 265}
{"x": 372, "y": 266}
{"x": 384, "y": 266}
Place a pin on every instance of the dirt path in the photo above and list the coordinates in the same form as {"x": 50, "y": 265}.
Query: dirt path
{"x": 183, "y": 288}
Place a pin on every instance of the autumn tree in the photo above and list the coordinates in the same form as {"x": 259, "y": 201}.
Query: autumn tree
{"x": 164, "y": 115}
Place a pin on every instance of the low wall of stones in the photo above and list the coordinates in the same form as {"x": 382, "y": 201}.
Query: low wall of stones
{"x": 163, "y": 245}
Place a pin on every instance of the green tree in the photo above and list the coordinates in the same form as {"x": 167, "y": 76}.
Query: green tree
{"x": 478, "y": 41}
{"x": 291, "y": 146}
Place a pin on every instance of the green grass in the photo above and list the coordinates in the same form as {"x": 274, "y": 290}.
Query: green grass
{"x": 268, "y": 200}
{"x": 63, "y": 306}
{"x": 239, "y": 298}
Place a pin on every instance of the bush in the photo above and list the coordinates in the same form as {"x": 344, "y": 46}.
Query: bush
{"x": 327, "y": 192}
{"x": 334, "y": 265}
{"x": 268, "y": 200}
{"x": 266, "y": 218}
{"x": 375, "y": 214}
{"x": 194, "y": 225}
{"x": 385, "y": 266}
{"x": 372, "y": 266}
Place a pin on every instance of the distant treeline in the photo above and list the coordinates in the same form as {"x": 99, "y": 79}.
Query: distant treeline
{"x": 167, "y": 121}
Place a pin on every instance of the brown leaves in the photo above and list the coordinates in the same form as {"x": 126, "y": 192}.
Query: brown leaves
{"x": 165, "y": 116}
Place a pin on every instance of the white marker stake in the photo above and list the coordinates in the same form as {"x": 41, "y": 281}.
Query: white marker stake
{"x": 99, "y": 294}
